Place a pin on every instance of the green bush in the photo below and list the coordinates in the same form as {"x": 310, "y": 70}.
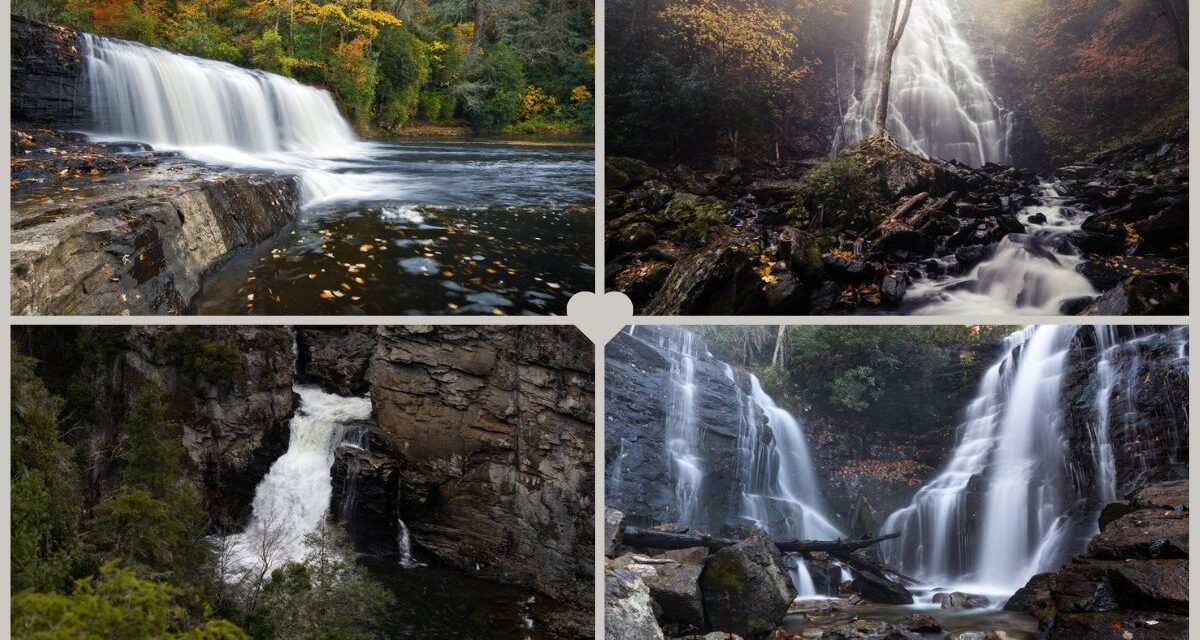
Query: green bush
{"x": 836, "y": 193}
{"x": 209, "y": 360}
{"x": 502, "y": 84}
{"x": 403, "y": 71}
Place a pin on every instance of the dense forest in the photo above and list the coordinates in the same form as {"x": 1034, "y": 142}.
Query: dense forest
{"x": 759, "y": 78}
{"x": 112, "y": 541}
{"x": 499, "y": 65}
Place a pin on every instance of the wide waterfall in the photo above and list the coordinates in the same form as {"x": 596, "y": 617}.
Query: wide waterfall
{"x": 940, "y": 106}
{"x": 1009, "y": 502}
{"x": 777, "y": 485}
{"x": 293, "y": 499}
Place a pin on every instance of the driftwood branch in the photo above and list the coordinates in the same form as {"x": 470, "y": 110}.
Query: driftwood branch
{"x": 652, "y": 539}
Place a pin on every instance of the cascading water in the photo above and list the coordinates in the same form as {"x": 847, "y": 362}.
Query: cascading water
{"x": 404, "y": 543}
{"x": 940, "y": 106}
{"x": 293, "y": 498}
{"x": 777, "y": 485}
{"x": 1027, "y": 273}
{"x": 1010, "y": 502}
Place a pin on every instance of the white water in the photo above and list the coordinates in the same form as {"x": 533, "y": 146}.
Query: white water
{"x": 682, "y": 430}
{"x": 1009, "y": 503}
{"x": 995, "y": 515}
{"x": 222, "y": 114}
{"x": 940, "y": 106}
{"x": 801, "y": 578}
{"x": 404, "y": 545}
{"x": 1026, "y": 274}
{"x": 292, "y": 500}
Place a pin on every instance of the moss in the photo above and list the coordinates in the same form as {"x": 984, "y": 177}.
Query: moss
{"x": 837, "y": 193}
{"x": 209, "y": 360}
{"x": 697, "y": 218}
{"x": 723, "y": 573}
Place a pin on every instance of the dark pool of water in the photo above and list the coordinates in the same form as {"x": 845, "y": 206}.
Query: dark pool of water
{"x": 425, "y": 228}
{"x": 810, "y": 619}
{"x": 436, "y": 602}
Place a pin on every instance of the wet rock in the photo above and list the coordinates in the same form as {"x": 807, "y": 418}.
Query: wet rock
{"x": 969, "y": 256}
{"x": 852, "y": 269}
{"x": 492, "y": 430}
{"x": 614, "y": 527}
{"x": 746, "y": 587}
{"x": 803, "y": 254}
{"x": 865, "y": 630}
{"x": 1075, "y": 306}
{"x": 894, "y": 286}
{"x": 621, "y": 172}
{"x": 628, "y": 609}
{"x": 1172, "y": 494}
{"x": 1101, "y": 274}
{"x": 1111, "y": 512}
{"x": 49, "y": 87}
{"x": 920, "y": 623}
{"x": 675, "y": 588}
{"x": 633, "y": 237}
{"x": 785, "y": 295}
{"x": 1140, "y": 625}
{"x": 876, "y": 588}
{"x": 1164, "y": 229}
{"x": 1148, "y": 533}
{"x": 1037, "y": 218}
{"x": 958, "y": 600}
{"x": 1027, "y": 597}
{"x": 1092, "y": 242}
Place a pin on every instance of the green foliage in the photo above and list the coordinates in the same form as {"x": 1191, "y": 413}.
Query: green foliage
{"x": 697, "y": 218}
{"x": 45, "y": 546}
{"x": 837, "y": 193}
{"x": 116, "y": 605}
{"x": 160, "y": 536}
{"x": 403, "y": 71}
{"x": 196, "y": 35}
{"x": 351, "y": 74}
{"x": 203, "y": 359}
{"x": 325, "y": 596}
{"x": 267, "y": 52}
{"x": 503, "y": 82}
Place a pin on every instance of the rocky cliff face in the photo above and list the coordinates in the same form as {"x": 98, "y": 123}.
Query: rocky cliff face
{"x": 49, "y": 88}
{"x": 492, "y": 429}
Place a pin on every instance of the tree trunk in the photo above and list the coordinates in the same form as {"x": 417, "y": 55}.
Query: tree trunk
{"x": 889, "y": 50}
{"x": 474, "y": 51}
{"x": 780, "y": 338}
{"x": 1176, "y": 14}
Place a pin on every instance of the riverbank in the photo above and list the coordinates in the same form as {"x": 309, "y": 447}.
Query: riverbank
{"x": 879, "y": 230}
{"x": 431, "y": 132}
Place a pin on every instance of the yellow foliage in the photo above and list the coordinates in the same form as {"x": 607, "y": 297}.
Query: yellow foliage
{"x": 580, "y": 94}
{"x": 536, "y": 101}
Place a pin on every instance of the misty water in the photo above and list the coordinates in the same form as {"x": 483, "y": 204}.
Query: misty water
{"x": 384, "y": 227}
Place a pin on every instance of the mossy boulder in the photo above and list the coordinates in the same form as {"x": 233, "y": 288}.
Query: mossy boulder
{"x": 802, "y": 252}
{"x": 746, "y": 588}
{"x": 622, "y": 173}
{"x": 897, "y": 172}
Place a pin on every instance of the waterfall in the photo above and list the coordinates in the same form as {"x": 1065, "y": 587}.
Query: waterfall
{"x": 1010, "y": 502}
{"x": 404, "y": 542}
{"x": 172, "y": 100}
{"x": 940, "y": 106}
{"x": 293, "y": 498}
{"x": 801, "y": 578}
{"x": 682, "y": 429}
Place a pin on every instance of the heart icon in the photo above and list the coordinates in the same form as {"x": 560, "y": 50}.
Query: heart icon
{"x": 600, "y": 317}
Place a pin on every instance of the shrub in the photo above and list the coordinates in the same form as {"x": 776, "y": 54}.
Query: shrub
{"x": 209, "y": 360}
{"x": 697, "y": 218}
{"x": 839, "y": 192}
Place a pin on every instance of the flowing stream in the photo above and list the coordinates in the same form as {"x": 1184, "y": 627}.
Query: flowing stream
{"x": 293, "y": 498}
{"x": 1009, "y": 502}
{"x": 386, "y": 228}
{"x": 1026, "y": 273}
{"x": 939, "y": 106}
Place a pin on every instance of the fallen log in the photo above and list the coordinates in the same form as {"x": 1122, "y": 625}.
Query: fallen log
{"x": 635, "y": 537}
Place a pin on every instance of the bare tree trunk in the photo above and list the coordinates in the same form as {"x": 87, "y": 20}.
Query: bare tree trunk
{"x": 475, "y": 35}
{"x": 780, "y": 338}
{"x": 1176, "y": 14}
{"x": 889, "y": 50}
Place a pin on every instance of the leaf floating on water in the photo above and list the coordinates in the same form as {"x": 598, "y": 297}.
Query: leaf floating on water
{"x": 366, "y": 248}
{"x": 451, "y": 306}
{"x": 496, "y": 311}
{"x": 327, "y": 294}
{"x": 490, "y": 270}
{"x": 345, "y": 286}
{"x": 553, "y": 285}
{"x": 312, "y": 276}
{"x": 339, "y": 294}
{"x": 250, "y": 297}
{"x": 359, "y": 280}
{"x": 356, "y": 298}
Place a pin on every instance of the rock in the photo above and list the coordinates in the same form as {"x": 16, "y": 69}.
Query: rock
{"x": 893, "y": 287}
{"x": 675, "y": 588}
{"x": 719, "y": 280}
{"x": 641, "y": 280}
{"x": 671, "y": 527}
{"x": 1102, "y": 275}
{"x": 1172, "y": 494}
{"x": 803, "y": 255}
{"x": 920, "y": 623}
{"x": 1112, "y": 511}
{"x": 851, "y": 269}
{"x": 1075, "y": 306}
{"x": 1122, "y": 625}
{"x": 628, "y": 610}
{"x": 633, "y": 237}
{"x": 693, "y": 556}
{"x": 785, "y": 295}
{"x": 969, "y": 256}
{"x": 614, "y": 527}
{"x": 958, "y": 600}
{"x": 138, "y": 243}
{"x": 1027, "y": 597}
{"x": 621, "y": 172}
{"x": 746, "y": 587}
{"x": 1148, "y": 533}
{"x": 492, "y": 430}
{"x": 865, "y": 629}
{"x": 1159, "y": 585}
{"x": 1164, "y": 229}
{"x": 1037, "y": 218}
{"x": 336, "y": 357}
{"x": 876, "y": 588}
{"x": 49, "y": 87}
{"x": 1102, "y": 243}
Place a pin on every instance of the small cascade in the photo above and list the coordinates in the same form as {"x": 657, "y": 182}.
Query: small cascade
{"x": 801, "y": 577}
{"x": 682, "y": 437}
{"x": 356, "y": 439}
{"x": 940, "y": 106}
{"x": 404, "y": 543}
{"x": 1027, "y": 273}
{"x": 293, "y": 499}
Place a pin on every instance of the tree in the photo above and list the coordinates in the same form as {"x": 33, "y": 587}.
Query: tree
{"x": 885, "y": 81}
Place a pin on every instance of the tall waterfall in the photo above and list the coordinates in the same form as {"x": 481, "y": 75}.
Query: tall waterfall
{"x": 163, "y": 98}
{"x": 940, "y": 106}
{"x": 293, "y": 498}
{"x": 1010, "y": 502}
{"x": 778, "y": 489}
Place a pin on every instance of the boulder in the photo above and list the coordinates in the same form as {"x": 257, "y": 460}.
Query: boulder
{"x": 958, "y": 600}
{"x": 746, "y": 587}
{"x": 719, "y": 280}
{"x": 876, "y": 588}
{"x": 1147, "y": 534}
{"x": 621, "y": 172}
{"x": 920, "y": 623}
{"x": 628, "y": 609}
{"x": 1171, "y": 494}
{"x": 336, "y": 357}
{"x": 675, "y": 588}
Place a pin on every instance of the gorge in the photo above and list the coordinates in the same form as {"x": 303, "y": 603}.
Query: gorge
{"x": 106, "y": 126}
{"x": 456, "y": 462}
{"x": 1025, "y": 476}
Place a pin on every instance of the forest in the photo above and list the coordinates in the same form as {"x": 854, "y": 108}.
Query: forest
{"x": 764, "y": 79}
{"x": 505, "y": 66}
